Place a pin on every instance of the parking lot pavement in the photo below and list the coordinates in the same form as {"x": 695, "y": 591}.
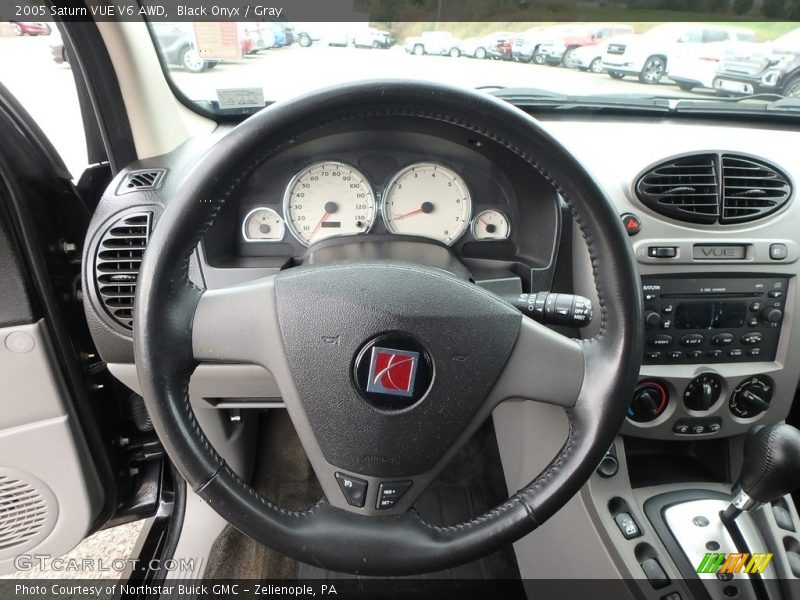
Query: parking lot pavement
{"x": 285, "y": 72}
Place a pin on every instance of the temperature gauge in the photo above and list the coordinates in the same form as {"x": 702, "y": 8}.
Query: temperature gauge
{"x": 263, "y": 225}
{"x": 490, "y": 225}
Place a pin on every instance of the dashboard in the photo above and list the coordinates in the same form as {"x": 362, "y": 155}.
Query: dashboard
{"x": 720, "y": 290}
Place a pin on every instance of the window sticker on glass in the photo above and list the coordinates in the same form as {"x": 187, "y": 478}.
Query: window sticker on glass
{"x": 240, "y": 98}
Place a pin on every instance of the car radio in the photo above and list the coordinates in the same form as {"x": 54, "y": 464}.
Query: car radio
{"x": 712, "y": 319}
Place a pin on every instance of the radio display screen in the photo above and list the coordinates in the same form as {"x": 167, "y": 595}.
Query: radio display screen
{"x": 710, "y": 315}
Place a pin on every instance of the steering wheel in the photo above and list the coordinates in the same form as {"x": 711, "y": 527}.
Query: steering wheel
{"x": 330, "y": 334}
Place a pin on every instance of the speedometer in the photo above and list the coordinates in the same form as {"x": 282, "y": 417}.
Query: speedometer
{"x": 428, "y": 200}
{"x": 328, "y": 199}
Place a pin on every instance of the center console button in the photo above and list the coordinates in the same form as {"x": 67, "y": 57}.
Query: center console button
{"x": 714, "y": 353}
{"x": 659, "y": 341}
{"x": 755, "y": 307}
{"x": 722, "y": 339}
{"x": 695, "y": 354}
{"x": 751, "y": 338}
{"x": 692, "y": 339}
{"x": 754, "y": 352}
{"x": 627, "y": 526}
{"x": 667, "y": 309}
{"x": 752, "y": 322}
{"x": 675, "y": 355}
{"x": 774, "y": 294}
{"x": 735, "y": 352}
{"x": 655, "y": 573}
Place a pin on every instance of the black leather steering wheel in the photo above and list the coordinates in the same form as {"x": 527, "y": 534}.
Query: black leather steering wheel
{"x": 479, "y": 351}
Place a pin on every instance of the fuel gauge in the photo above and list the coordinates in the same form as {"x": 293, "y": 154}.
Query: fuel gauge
{"x": 263, "y": 225}
{"x": 490, "y": 225}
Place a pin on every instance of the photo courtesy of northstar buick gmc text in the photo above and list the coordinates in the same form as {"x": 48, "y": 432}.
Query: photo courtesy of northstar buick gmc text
{"x": 400, "y": 299}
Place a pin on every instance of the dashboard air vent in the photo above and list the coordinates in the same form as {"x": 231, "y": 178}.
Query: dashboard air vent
{"x": 140, "y": 181}
{"x": 751, "y": 189}
{"x": 685, "y": 188}
{"x": 119, "y": 256}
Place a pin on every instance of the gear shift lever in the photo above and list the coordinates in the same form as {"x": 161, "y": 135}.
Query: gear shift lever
{"x": 770, "y": 469}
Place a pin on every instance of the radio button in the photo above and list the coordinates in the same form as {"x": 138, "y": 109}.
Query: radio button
{"x": 752, "y": 322}
{"x": 675, "y": 355}
{"x": 735, "y": 353}
{"x": 714, "y": 353}
{"x": 666, "y": 323}
{"x": 695, "y": 354}
{"x": 722, "y": 339}
{"x": 667, "y": 309}
{"x": 778, "y": 251}
{"x": 751, "y": 338}
{"x": 693, "y": 339}
{"x": 774, "y": 294}
{"x": 660, "y": 341}
{"x": 754, "y": 352}
{"x": 650, "y": 296}
{"x": 755, "y": 307}
{"x": 653, "y": 356}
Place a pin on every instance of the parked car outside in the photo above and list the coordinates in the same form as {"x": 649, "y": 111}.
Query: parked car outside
{"x": 589, "y": 58}
{"x": 31, "y": 28}
{"x": 373, "y": 38}
{"x": 696, "y": 65}
{"x": 433, "y": 42}
{"x": 57, "y": 48}
{"x": 560, "y": 48}
{"x": 771, "y": 67}
{"x": 177, "y": 46}
{"x": 259, "y": 34}
{"x": 648, "y": 55}
{"x": 525, "y": 43}
{"x": 503, "y": 45}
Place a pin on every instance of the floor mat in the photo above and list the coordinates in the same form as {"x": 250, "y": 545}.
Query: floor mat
{"x": 471, "y": 484}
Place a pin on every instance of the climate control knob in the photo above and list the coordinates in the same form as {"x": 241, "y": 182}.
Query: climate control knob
{"x": 650, "y": 398}
{"x": 752, "y": 397}
{"x": 702, "y": 392}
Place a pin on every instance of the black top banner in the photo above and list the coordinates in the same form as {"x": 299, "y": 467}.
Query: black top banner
{"x": 435, "y": 11}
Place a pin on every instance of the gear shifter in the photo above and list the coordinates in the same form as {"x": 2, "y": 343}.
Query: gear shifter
{"x": 770, "y": 469}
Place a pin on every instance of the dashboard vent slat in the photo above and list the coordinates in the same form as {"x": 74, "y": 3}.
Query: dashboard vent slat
{"x": 116, "y": 267}
{"x": 141, "y": 181}
{"x": 714, "y": 188}
{"x": 751, "y": 189}
{"x": 685, "y": 188}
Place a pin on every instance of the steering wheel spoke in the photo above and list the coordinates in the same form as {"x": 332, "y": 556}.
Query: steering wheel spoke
{"x": 237, "y": 324}
{"x": 544, "y": 366}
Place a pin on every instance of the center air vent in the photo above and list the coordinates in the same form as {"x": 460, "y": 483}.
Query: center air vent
{"x": 713, "y": 188}
{"x": 116, "y": 268}
{"x": 751, "y": 189}
{"x": 686, "y": 189}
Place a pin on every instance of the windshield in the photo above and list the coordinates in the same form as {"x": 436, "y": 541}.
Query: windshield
{"x": 240, "y": 67}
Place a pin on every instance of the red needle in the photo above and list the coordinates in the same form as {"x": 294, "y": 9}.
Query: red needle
{"x": 484, "y": 222}
{"x": 321, "y": 221}
{"x": 408, "y": 214}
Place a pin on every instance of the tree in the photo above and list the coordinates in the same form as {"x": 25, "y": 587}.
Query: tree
{"x": 793, "y": 11}
{"x": 741, "y": 7}
{"x": 773, "y": 9}
{"x": 718, "y": 5}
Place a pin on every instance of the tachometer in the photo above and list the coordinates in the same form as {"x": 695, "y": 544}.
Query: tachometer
{"x": 428, "y": 200}
{"x": 328, "y": 199}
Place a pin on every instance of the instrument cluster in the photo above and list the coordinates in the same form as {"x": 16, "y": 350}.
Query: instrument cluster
{"x": 333, "y": 198}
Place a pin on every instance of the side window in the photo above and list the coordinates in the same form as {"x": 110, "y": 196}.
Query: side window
{"x": 745, "y": 36}
{"x": 714, "y": 35}
{"x": 35, "y": 69}
{"x": 603, "y": 33}
{"x": 691, "y": 36}
{"x": 623, "y": 30}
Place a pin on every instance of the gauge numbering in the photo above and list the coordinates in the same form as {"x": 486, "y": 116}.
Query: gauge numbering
{"x": 328, "y": 199}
